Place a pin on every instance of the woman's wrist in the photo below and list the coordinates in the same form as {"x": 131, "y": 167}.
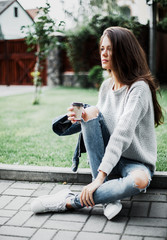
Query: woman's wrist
{"x": 101, "y": 176}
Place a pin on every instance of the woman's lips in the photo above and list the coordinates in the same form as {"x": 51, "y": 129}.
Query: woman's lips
{"x": 104, "y": 60}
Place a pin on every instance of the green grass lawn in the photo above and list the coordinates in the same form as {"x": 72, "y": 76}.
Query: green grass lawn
{"x": 26, "y": 135}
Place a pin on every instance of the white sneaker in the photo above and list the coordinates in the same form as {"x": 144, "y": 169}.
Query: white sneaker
{"x": 51, "y": 203}
{"x": 112, "y": 209}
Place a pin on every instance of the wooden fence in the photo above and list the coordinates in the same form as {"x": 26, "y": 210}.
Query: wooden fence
{"x": 16, "y": 64}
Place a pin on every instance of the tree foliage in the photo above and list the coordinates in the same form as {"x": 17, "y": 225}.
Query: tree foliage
{"x": 162, "y": 2}
{"x": 78, "y": 39}
{"x": 41, "y": 36}
{"x": 1, "y": 33}
{"x": 42, "y": 33}
{"x": 106, "y": 6}
{"x": 162, "y": 25}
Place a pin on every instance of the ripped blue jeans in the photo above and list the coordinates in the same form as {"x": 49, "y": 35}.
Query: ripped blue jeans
{"x": 96, "y": 137}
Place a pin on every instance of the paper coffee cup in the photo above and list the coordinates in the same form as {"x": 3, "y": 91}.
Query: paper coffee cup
{"x": 78, "y": 108}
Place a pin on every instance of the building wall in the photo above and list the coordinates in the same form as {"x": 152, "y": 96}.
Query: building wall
{"x": 138, "y": 8}
{"x": 11, "y": 25}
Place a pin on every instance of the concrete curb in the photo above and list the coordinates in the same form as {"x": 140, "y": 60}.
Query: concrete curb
{"x": 57, "y": 174}
{"x": 44, "y": 174}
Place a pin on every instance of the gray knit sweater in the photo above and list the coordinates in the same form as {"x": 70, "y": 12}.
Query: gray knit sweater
{"x": 129, "y": 116}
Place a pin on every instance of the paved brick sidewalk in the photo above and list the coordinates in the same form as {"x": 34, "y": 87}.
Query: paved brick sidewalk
{"x": 144, "y": 217}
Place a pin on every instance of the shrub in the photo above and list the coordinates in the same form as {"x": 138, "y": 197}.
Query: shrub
{"x": 82, "y": 78}
{"x": 162, "y": 25}
{"x": 75, "y": 46}
{"x": 95, "y": 76}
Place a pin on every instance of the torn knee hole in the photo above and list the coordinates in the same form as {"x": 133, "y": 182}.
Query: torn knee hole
{"x": 141, "y": 178}
{"x": 91, "y": 113}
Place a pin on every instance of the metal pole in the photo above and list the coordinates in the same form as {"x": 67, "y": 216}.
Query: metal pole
{"x": 152, "y": 36}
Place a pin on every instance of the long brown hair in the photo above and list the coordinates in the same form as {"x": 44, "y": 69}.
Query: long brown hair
{"x": 130, "y": 64}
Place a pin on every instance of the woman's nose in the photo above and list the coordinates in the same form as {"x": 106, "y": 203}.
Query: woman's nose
{"x": 104, "y": 53}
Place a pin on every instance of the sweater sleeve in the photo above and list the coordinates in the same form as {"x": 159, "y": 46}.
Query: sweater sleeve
{"x": 135, "y": 108}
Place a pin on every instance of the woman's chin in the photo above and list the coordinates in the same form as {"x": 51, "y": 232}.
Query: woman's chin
{"x": 104, "y": 66}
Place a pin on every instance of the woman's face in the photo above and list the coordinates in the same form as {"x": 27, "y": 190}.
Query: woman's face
{"x": 106, "y": 53}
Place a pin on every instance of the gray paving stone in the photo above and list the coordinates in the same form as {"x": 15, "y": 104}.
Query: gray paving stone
{"x": 7, "y": 182}
{"x": 63, "y": 235}
{"x": 95, "y": 223}
{"x": 146, "y": 231}
{"x": 25, "y": 185}
{"x": 152, "y": 238}
{"x": 3, "y": 220}
{"x": 126, "y": 204}
{"x": 59, "y": 187}
{"x": 63, "y": 225}
{"x": 126, "y": 199}
{"x": 44, "y": 189}
{"x": 16, "y": 231}
{"x": 124, "y": 212}
{"x": 12, "y": 238}
{"x": 77, "y": 187}
{"x": 44, "y": 234}
{"x": 17, "y": 203}
{"x": 97, "y": 211}
{"x": 26, "y": 207}
{"x": 20, "y": 218}
{"x": 96, "y": 236}
{"x": 7, "y": 213}
{"x": 139, "y": 209}
{"x": 157, "y": 191}
{"x": 37, "y": 220}
{"x": 117, "y": 225}
{"x": 150, "y": 197}
{"x": 4, "y": 200}
{"x": 85, "y": 211}
{"x": 18, "y": 192}
{"x": 158, "y": 222}
{"x": 158, "y": 210}
{"x": 127, "y": 237}
{"x": 4, "y": 185}
{"x": 68, "y": 216}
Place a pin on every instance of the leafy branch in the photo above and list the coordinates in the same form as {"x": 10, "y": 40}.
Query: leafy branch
{"x": 41, "y": 35}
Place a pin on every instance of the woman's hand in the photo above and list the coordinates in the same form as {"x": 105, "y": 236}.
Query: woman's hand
{"x": 86, "y": 197}
{"x": 71, "y": 114}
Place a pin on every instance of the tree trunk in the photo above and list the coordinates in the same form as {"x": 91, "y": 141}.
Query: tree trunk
{"x": 37, "y": 81}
